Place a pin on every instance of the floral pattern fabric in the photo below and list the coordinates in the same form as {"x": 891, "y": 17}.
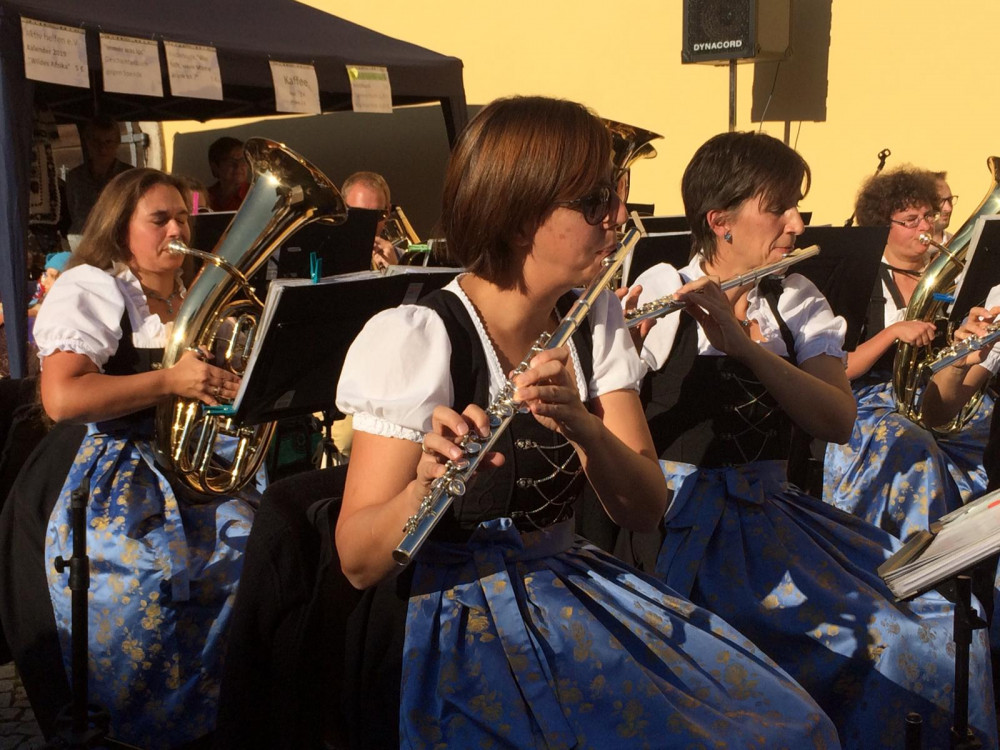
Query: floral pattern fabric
{"x": 163, "y": 579}
{"x": 798, "y": 577}
{"x": 540, "y": 640}
{"x": 899, "y": 476}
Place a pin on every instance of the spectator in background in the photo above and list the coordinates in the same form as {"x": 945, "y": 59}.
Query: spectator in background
{"x": 99, "y": 139}
{"x": 370, "y": 190}
{"x": 230, "y": 170}
{"x": 947, "y": 201}
{"x": 197, "y": 195}
{"x": 54, "y": 265}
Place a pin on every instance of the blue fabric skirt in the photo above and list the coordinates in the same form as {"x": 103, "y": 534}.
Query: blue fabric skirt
{"x": 540, "y": 640}
{"x": 797, "y": 577}
{"x": 899, "y": 476}
{"x": 163, "y": 579}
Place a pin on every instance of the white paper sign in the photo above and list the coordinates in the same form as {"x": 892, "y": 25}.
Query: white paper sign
{"x": 55, "y": 53}
{"x": 131, "y": 65}
{"x": 193, "y": 70}
{"x": 295, "y": 88}
{"x": 370, "y": 89}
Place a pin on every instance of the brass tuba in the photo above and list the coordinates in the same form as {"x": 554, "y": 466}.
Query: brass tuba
{"x": 910, "y": 369}
{"x": 221, "y": 311}
{"x": 628, "y": 145}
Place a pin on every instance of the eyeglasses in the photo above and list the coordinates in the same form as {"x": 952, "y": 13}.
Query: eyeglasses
{"x": 596, "y": 205}
{"x": 914, "y": 221}
{"x": 949, "y": 199}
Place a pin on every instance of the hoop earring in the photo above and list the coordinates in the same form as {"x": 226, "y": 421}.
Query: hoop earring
{"x": 728, "y": 237}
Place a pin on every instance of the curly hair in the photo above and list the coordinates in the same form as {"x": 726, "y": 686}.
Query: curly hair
{"x": 896, "y": 190}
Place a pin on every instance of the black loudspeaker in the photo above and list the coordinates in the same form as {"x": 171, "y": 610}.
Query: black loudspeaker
{"x": 743, "y": 30}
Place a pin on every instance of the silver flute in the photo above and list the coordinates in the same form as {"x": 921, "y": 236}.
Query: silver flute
{"x": 669, "y": 304}
{"x": 501, "y": 411}
{"x": 960, "y": 349}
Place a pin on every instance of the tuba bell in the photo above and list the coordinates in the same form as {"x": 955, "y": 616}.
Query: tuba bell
{"x": 911, "y": 366}
{"x": 628, "y": 145}
{"x": 220, "y": 315}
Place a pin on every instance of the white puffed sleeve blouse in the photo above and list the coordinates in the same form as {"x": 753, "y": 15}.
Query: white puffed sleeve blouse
{"x": 815, "y": 328}
{"x": 82, "y": 313}
{"x": 398, "y": 368}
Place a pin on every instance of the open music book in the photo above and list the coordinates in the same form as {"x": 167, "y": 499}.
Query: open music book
{"x": 954, "y": 543}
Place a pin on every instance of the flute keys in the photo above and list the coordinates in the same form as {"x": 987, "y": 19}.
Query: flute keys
{"x": 456, "y": 487}
{"x": 472, "y": 448}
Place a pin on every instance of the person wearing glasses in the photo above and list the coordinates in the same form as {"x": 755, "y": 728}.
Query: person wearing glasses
{"x": 892, "y": 472}
{"x": 946, "y": 201}
{"x": 231, "y": 172}
{"x": 727, "y": 380}
{"x": 507, "y": 629}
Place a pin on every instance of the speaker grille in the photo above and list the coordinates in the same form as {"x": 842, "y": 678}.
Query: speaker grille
{"x": 719, "y": 20}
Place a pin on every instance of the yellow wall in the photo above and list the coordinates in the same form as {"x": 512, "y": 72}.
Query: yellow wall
{"x": 914, "y": 77}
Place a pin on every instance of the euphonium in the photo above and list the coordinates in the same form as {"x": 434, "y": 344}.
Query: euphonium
{"x": 628, "y": 145}
{"x": 501, "y": 412}
{"x": 910, "y": 367}
{"x": 220, "y": 314}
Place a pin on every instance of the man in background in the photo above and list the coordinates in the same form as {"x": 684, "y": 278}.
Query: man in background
{"x": 370, "y": 190}
{"x": 230, "y": 170}
{"x": 100, "y": 139}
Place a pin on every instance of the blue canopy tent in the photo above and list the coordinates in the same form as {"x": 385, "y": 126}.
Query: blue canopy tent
{"x": 246, "y": 34}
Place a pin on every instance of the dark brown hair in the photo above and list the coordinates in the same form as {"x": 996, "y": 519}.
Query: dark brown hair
{"x": 511, "y": 165}
{"x": 896, "y": 190}
{"x": 105, "y": 235}
{"x": 731, "y": 168}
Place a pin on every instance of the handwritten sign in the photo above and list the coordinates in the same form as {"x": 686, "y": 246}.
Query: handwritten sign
{"x": 370, "y": 89}
{"x": 55, "y": 53}
{"x": 131, "y": 65}
{"x": 295, "y": 88}
{"x": 193, "y": 70}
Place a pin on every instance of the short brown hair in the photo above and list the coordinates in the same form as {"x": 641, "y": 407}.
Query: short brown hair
{"x": 731, "y": 168}
{"x": 105, "y": 235}
{"x": 896, "y": 190}
{"x": 516, "y": 159}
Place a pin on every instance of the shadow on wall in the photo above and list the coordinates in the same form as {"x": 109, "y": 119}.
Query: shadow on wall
{"x": 409, "y": 148}
{"x": 800, "y": 83}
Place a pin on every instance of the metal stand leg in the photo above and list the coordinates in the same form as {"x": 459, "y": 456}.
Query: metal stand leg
{"x": 965, "y": 622}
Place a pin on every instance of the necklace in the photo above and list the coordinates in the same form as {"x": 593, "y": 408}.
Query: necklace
{"x": 168, "y": 300}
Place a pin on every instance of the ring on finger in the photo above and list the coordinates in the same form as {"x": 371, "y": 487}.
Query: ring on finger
{"x": 425, "y": 449}
{"x": 218, "y": 391}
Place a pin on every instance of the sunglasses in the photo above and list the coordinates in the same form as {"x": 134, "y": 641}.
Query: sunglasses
{"x": 596, "y": 205}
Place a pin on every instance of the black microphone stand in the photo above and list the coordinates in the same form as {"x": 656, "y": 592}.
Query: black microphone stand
{"x": 86, "y": 725}
{"x": 882, "y": 156}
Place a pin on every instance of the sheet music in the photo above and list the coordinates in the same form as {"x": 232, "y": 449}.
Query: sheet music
{"x": 956, "y": 542}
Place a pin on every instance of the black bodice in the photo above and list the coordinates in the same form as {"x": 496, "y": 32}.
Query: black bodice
{"x": 130, "y": 360}
{"x": 712, "y": 411}
{"x": 541, "y": 476}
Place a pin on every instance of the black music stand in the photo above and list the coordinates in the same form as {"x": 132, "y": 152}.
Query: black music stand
{"x": 982, "y": 268}
{"x": 341, "y": 248}
{"x": 673, "y": 248}
{"x": 845, "y": 270}
{"x": 953, "y": 577}
{"x": 305, "y": 331}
